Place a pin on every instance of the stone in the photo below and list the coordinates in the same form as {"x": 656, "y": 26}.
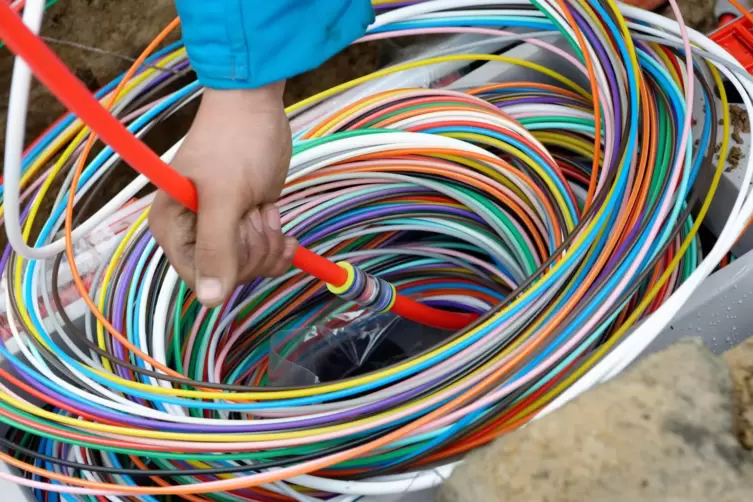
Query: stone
{"x": 661, "y": 431}
{"x": 740, "y": 361}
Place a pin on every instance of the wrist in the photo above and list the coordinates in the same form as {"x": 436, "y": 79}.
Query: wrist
{"x": 266, "y": 98}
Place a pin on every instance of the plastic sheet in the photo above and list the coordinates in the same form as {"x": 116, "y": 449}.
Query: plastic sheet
{"x": 344, "y": 346}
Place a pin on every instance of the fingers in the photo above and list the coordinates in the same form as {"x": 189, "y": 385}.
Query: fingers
{"x": 174, "y": 228}
{"x": 217, "y": 246}
{"x": 268, "y": 251}
{"x": 212, "y": 254}
{"x": 288, "y": 254}
{"x": 235, "y": 236}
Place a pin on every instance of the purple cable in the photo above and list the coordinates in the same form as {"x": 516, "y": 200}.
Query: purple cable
{"x": 155, "y": 424}
{"x": 447, "y": 304}
{"x": 342, "y": 206}
{"x": 401, "y": 209}
{"x": 164, "y": 75}
{"x": 121, "y": 295}
{"x": 611, "y": 78}
{"x": 396, "y": 5}
{"x": 6, "y": 256}
{"x": 293, "y": 424}
{"x": 538, "y": 100}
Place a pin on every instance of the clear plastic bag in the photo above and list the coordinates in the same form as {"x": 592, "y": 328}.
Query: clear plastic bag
{"x": 344, "y": 346}
{"x": 90, "y": 251}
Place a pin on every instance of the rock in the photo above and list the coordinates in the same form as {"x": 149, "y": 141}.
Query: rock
{"x": 740, "y": 361}
{"x": 660, "y": 432}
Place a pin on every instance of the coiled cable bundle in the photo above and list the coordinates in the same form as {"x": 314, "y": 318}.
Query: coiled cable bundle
{"x": 559, "y": 228}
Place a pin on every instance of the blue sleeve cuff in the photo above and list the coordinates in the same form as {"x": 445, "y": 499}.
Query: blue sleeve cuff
{"x": 245, "y": 44}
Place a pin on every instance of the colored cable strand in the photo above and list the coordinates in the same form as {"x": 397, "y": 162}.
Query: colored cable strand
{"x": 489, "y": 200}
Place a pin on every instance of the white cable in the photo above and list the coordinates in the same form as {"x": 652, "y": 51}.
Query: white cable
{"x": 384, "y": 485}
{"x": 14, "y": 138}
{"x": 18, "y": 103}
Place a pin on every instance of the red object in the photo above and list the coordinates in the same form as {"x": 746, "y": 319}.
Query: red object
{"x": 737, "y": 38}
{"x": 48, "y": 68}
{"x": 726, "y": 19}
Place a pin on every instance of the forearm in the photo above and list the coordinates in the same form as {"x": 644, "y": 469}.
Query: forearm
{"x": 246, "y": 44}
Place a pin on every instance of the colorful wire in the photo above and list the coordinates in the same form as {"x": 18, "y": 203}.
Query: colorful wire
{"x": 561, "y": 227}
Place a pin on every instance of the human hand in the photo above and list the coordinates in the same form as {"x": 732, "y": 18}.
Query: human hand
{"x": 237, "y": 154}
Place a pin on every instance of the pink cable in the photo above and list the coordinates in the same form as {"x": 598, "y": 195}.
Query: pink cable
{"x": 480, "y": 31}
{"x": 450, "y": 30}
{"x": 465, "y": 257}
{"x": 194, "y": 334}
{"x": 318, "y": 200}
{"x": 477, "y": 404}
{"x": 412, "y": 94}
{"x": 318, "y": 189}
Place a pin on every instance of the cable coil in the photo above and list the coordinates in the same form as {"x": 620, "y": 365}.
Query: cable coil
{"x": 555, "y": 229}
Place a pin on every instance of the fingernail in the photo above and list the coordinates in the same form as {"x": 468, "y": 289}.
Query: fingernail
{"x": 273, "y": 218}
{"x": 209, "y": 290}
{"x": 289, "y": 249}
{"x": 256, "y": 220}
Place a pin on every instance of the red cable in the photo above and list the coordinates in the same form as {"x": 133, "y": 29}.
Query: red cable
{"x": 726, "y": 19}
{"x": 48, "y": 68}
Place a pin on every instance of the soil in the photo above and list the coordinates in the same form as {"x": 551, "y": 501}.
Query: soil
{"x": 739, "y": 118}
{"x": 698, "y": 14}
{"x": 734, "y": 157}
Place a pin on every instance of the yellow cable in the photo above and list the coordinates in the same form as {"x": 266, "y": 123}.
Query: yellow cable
{"x": 366, "y": 379}
{"x": 106, "y": 281}
{"x": 436, "y": 60}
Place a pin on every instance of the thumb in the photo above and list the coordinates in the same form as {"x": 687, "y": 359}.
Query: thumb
{"x": 216, "y": 248}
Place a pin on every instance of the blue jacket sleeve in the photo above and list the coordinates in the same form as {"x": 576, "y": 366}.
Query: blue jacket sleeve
{"x": 245, "y": 44}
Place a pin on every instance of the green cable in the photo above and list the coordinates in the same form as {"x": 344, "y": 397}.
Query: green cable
{"x": 175, "y": 344}
{"x": 307, "y": 144}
